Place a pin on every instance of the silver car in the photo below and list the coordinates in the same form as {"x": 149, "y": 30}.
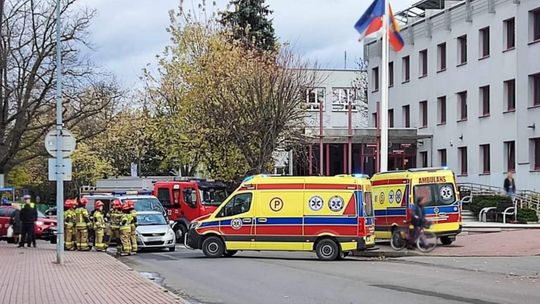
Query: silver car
{"x": 153, "y": 231}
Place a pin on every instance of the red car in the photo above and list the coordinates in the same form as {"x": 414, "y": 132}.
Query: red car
{"x": 44, "y": 229}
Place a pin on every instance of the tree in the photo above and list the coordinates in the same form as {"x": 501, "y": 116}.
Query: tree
{"x": 27, "y": 76}
{"x": 249, "y": 23}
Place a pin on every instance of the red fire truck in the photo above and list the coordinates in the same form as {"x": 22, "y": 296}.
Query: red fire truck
{"x": 185, "y": 199}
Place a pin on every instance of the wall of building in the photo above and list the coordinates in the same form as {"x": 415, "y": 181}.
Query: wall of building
{"x": 501, "y": 65}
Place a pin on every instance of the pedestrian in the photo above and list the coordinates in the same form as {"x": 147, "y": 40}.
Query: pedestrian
{"x": 82, "y": 222}
{"x": 99, "y": 227}
{"x": 69, "y": 224}
{"x": 510, "y": 185}
{"x": 125, "y": 231}
{"x": 16, "y": 223}
{"x": 28, "y": 200}
{"x": 28, "y": 217}
{"x": 114, "y": 217}
{"x": 133, "y": 238}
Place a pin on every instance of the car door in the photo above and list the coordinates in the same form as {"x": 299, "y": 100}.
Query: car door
{"x": 236, "y": 221}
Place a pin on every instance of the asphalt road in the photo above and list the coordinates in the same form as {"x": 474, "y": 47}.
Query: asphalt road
{"x": 283, "y": 277}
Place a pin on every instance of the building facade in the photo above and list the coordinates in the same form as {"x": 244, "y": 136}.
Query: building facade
{"x": 339, "y": 140}
{"x": 468, "y": 79}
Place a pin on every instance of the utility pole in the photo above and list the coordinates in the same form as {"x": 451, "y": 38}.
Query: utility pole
{"x": 59, "y": 144}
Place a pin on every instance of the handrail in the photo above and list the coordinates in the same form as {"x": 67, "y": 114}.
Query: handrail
{"x": 523, "y": 198}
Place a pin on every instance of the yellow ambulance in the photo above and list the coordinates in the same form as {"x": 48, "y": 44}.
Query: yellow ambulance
{"x": 329, "y": 215}
{"x": 395, "y": 192}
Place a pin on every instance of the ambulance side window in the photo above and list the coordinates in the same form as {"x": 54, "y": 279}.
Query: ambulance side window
{"x": 240, "y": 203}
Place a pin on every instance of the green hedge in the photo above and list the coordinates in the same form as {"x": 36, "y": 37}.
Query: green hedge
{"x": 527, "y": 215}
{"x": 483, "y": 201}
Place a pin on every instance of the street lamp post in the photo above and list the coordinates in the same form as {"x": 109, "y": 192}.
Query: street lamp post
{"x": 59, "y": 154}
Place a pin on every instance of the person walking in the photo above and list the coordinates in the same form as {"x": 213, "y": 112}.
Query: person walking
{"x": 133, "y": 236}
{"x": 114, "y": 217}
{"x": 28, "y": 219}
{"x": 125, "y": 231}
{"x": 82, "y": 221}
{"x": 99, "y": 227}
{"x": 69, "y": 224}
{"x": 28, "y": 200}
{"x": 510, "y": 185}
{"x": 16, "y": 223}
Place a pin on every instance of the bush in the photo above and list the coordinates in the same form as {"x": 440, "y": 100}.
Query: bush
{"x": 483, "y": 201}
{"x": 527, "y": 215}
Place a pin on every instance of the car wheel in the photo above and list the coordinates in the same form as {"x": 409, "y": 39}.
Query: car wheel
{"x": 327, "y": 250}
{"x": 180, "y": 232}
{"x": 173, "y": 248}
{"x": 446, "y": 240}
{"x": 213, "y": 247}
{"x": 230, "y": 253}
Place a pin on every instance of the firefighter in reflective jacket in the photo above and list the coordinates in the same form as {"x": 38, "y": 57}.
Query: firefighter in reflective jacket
{"x": 125, "y": 231}
{"x": 69, "y": 224}
{"x": 114, "y": 218}
{"x": 99, "y": 227}
{"x": 133, "y": 238}
{"x": 82, "y": 221}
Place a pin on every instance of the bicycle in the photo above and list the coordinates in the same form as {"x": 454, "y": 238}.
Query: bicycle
{"x": 425, "y": 242}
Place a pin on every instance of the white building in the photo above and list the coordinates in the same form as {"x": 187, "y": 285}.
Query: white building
{"x": 468, "y": 79}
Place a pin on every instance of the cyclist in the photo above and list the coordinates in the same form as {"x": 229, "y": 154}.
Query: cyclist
{"x": 418, "y": 220}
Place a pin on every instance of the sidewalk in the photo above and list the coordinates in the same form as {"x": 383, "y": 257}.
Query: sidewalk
{"x": 29, "y": 276}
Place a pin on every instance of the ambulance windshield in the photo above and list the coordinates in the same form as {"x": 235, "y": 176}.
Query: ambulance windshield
{"x": 435, "y": 194}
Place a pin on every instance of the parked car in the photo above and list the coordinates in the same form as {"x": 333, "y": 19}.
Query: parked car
{"x": 153, "y": 231}
{"x": 44, "y": 229}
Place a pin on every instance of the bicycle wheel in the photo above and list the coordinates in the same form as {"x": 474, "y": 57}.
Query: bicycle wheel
{"x": 397, "y": 242}
{"x": 427, "y": 241}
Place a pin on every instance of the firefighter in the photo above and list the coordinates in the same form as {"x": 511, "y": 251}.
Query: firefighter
{"x": 82, "y": 223}
{"x": 99, "y": 227}
{"x": 133, "y": 238}
{"x": 69, "y": 224}
{"x": 125, "y": 231}
{"x": 114, "y": 218}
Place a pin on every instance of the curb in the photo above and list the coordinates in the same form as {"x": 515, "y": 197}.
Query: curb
{"x": 374, "y": 253}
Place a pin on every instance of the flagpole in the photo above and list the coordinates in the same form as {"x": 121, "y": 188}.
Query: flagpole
{"x": 383, "y": 153}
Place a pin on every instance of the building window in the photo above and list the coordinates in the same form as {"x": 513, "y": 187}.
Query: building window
{"x": 534, "y": 25}
{"x": 484, "y": 156}
{"x": 462, "y": 105}
{"x": 462, "y": 49}
{"x": 391, "y": 74}
{"x": 375, "y": 78}
{"x": 535, "y": 146}
{"x": 484, "y": 42}
{"x": 441, "y": 57}
{"x": 423, "y": 114}
{"x": 441, "y": 109}
{"x": 341, "y": 97}
{"x": 406, "y": 64}
{"x": 484, "y": 101}
{"x": 534, "y": 83}
{"x": 375, "y": 120}
{"x": 442, "y": 157}
{"x": 510, "y": 95}
{"x": 423, "y": 63}
{"x": 509, "y": 33}
{"x": 462, "y": 155}
{"x": 391, "y": 118}
{"x": 315, "y": 98}
{"x": 510, "y": 152}
{"x": 407, "y": 116}
{"x": 423, "y": 159}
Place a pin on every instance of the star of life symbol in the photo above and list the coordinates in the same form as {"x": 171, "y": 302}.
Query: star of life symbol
{"x": 315, "y": 203}
{"x": 336, "y": 203}
{"x": 236, "y": 224}
{"x": 446, "y": 192}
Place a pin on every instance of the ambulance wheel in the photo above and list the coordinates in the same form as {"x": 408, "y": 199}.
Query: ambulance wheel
{"x": 213, "y": 247}
{"x": 230, "y": 253}
{"x": 446, "y": 240}
{"x": 327, "y": 250}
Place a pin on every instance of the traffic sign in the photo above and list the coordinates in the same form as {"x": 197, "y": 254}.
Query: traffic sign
{"x": 68, "y": 143}
{"x": 65, "y": 169}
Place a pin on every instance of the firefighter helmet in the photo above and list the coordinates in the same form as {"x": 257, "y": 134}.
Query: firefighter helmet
{"x": 99, "y": 204}
{"x": 117, "y": 204}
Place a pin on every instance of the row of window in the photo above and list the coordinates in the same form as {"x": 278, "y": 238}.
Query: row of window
{"x": 485, "y": 157}
{"x": 509, "y": 99}
{"x": 341, "y": 98}
{"x": 484, "y": 50}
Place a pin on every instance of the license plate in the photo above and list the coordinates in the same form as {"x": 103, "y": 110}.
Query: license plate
{"x": 154, "y": 239}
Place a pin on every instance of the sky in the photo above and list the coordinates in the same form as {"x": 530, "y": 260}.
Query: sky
{"x": 128, "y": 34}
